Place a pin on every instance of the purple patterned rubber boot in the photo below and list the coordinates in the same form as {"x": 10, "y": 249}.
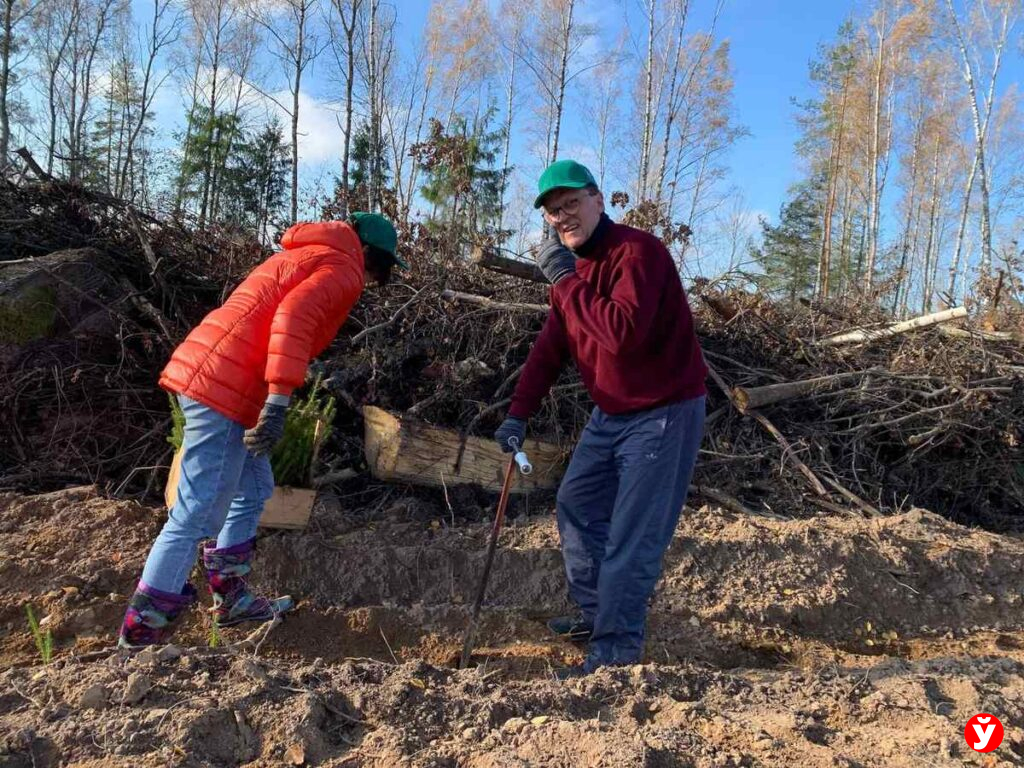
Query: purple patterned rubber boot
{"x": 152, "y": 614}
{"x": 233, "y": 601}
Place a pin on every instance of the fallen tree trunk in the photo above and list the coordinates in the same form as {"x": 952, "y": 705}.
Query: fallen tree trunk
{"x": 525, "y": 270}
{"x": 30, "y": 161}
{"x": 870, "y": 334}
{"x": 974, "y": 333}
{"x": 407, "y": 450}
{"x": 483, "y": 301}
{"x": 749, "y": 398}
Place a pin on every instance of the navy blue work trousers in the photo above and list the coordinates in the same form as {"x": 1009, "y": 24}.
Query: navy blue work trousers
{"x": 618, "y": 507}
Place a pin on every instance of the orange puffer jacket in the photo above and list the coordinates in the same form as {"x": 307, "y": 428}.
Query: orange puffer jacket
{"x": 280, "y": 317}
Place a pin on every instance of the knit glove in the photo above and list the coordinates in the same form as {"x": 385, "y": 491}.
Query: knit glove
{"x": 261, "y": 439}
{"x": 511, "y": 428}
{"x": 555, "y": 260}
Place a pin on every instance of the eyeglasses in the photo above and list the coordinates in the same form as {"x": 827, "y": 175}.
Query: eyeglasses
{"x": 570, "y": 208}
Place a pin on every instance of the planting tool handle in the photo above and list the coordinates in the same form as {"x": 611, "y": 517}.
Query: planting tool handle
{"x": 492, "y": 544}
{"x": 521, "y": 458}
{"x": 524, "y": 463}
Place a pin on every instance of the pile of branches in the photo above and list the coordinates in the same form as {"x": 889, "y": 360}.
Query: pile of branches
{"x": 116, "y": 289}
{"x": 799, "y": 419}
{"x": 930, "y": 417}
{"x": 419, "y": 347}
{"x": 80, "y": 403}
{"x": 798, "y": 422}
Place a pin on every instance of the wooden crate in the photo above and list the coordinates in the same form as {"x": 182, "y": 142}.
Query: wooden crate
{"x": 403, "y": 449}
{"x": 286, "y": 508}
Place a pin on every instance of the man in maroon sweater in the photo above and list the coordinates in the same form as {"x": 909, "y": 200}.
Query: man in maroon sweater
{"x": 619, "y": 309}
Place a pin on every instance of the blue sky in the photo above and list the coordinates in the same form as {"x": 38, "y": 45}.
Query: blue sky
{"x": 772, "y": 43}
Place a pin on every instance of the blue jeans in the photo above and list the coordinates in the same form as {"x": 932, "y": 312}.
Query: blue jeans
{"x": 221, "y": 492}
{"x": 618, "y": 507}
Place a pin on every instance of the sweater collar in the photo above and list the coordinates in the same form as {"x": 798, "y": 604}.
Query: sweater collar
{"x": 591, "y": 248}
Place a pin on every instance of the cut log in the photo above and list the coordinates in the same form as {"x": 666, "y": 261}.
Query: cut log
{"x": 403, "y": 449}
{"x": 975, "y": 333}
{"x": 483, "y": 301}
{"x": 748, "y": 398}
{"x": 525, "y": 270}
{"x": 870, "y": 334}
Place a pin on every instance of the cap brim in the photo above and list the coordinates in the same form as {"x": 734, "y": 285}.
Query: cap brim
{"x": 568, "y": 185}
{"x": 400, "y": 262}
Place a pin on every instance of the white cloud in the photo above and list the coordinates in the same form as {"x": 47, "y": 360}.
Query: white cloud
{"x": 320, "y": 138}
{"x": 606, "y": 21}
{"x": 585, "y": 153}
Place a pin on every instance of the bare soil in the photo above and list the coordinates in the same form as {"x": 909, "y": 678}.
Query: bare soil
{"x": 833, "y": 641}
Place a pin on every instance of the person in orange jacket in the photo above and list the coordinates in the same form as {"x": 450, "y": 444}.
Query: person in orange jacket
{"x": 233, "y": 376}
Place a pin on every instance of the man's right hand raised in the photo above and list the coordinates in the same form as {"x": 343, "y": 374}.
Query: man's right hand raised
{"x": 555, "y": 260}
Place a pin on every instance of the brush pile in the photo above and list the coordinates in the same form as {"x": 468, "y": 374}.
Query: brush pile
{"x": 94, "y": 295}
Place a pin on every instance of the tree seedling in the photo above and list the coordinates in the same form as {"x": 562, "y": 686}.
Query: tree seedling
{"x": 43, "y": 640}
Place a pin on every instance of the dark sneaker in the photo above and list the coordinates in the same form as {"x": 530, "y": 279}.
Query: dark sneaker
{"x": 573, "y": 628}
{"x": 570, "y": 673}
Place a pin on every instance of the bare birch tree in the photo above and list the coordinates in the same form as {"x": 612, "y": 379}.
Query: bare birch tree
{"x": 991, "y": 24}
{"x": 56, "y": 23}
{"x": 348, "y": 14}
{"x": 378, "y": 48}
{"x": 87, "y": 37}
{"x": 552, "y": 53}
{"x": 162, "y": 31}
{"x": 296, "y": 47}
{"x": 512, "y": 19}
{"x": 13, "y": 15}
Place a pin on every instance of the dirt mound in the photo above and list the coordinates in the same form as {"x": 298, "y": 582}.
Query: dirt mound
{"x": 832, "y": 641}
{"x": 736, "y": 591}
{"x": 74, "y": 556}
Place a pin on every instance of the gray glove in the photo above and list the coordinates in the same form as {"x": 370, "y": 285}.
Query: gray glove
{"x": 511, "y": 428}
{"x": 261, "y": 439}
{"x": 555, "y": 260}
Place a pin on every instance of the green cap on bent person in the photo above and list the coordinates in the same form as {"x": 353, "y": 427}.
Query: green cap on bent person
{"x": 566, "y": 174}
{"x": 373, "y": 229}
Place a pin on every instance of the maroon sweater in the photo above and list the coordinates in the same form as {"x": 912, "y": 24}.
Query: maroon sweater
{"x": 624, "y": 318}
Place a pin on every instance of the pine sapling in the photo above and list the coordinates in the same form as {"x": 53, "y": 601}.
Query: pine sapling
{"x": 43, "y": 640}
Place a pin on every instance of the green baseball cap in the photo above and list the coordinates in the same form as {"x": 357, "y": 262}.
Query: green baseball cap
{"x": 373, "y": 229}
{"x": 563, "y": 174}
